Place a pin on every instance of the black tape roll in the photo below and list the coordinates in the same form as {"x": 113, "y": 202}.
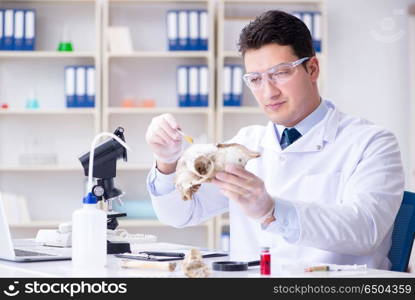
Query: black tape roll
{"x": 229, "y": 266}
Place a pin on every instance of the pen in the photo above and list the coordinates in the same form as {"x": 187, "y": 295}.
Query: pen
{"x": 348, "y": 267}
{"x": 156, "y": 253}
{"x": 317, "y": 268}
{"x": 336, "y": 268}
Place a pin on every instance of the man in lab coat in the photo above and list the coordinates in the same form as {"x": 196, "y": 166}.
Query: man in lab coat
{"x": 327, "y": 186}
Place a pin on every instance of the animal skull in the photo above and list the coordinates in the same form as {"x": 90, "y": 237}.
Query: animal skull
{"x": 200, "y": 162}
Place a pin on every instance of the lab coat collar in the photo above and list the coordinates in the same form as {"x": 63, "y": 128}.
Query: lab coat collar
{"x": 322, "y": 133}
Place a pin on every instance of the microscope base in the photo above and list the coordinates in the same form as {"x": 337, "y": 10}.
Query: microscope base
{"x": 118, "y": 247}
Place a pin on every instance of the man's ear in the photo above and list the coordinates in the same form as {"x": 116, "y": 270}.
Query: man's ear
{"x": 313, "y": 68}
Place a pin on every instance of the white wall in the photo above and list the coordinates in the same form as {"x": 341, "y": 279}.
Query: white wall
{"x": 368, "y": 63}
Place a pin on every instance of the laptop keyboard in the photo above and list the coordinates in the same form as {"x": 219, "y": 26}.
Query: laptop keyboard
{"x": 19, "y": 252}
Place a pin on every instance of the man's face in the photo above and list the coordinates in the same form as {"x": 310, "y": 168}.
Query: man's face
{"x": 284, "y": 103}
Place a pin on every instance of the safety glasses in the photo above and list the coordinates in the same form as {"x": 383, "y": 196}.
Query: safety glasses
{"x": 278, "y": 74}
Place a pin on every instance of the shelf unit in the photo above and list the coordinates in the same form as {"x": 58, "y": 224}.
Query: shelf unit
{"x": 232, "y": 16}
{"x": 55, "y": 190}
{"x": 146, "y": 73}
{"x": 149, "y": 72}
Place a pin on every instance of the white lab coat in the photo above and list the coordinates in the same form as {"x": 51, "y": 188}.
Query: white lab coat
{"x": 344, "y": 177}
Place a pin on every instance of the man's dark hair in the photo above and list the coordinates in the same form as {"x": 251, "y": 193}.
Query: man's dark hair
{"x": 278, "y": 27}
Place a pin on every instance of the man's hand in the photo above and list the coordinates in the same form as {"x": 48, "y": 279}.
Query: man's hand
{"x": 165, "y": 142}
{"x": 246, "y": 189}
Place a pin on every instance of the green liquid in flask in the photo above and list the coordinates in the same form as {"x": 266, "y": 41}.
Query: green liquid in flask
{"x": 65, "y": 46}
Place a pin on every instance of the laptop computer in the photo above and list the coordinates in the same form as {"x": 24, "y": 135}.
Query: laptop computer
{"x": 25, "y": 253}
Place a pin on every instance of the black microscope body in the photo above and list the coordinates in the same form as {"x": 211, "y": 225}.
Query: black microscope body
{"x": 106, "y": 155}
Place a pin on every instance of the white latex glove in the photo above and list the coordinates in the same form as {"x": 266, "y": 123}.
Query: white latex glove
{"x": 163, "y": 138}
{"x": 247, "y": 190}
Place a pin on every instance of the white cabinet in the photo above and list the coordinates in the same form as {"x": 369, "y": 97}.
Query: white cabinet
{"x": 39, "y": 148}
{"x": 148, "y": 73}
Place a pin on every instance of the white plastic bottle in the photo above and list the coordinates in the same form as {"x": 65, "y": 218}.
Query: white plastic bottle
{"x": 89, "y": 235}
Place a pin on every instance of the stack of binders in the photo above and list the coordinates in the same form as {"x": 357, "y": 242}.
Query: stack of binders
{"x": 312, "y": 20}
{"x": 80, "y": 86}
{"x": 232, "y": 85}
{"x": 17, "y": 30}
{"x": 193, "y": 85}
{"x": 187, "y": 30}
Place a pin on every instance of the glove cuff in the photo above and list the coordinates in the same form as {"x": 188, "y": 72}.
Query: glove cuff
{"x": 168, "y": 160}
{"x": 268, "y": 217}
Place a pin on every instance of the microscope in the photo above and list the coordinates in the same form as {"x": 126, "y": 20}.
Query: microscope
{"x": 105, "y": 159}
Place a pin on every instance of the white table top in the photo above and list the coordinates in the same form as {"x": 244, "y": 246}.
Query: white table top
{"x": 65, "y": 269}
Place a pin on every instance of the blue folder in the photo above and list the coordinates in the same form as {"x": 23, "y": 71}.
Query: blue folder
{"x": 18, "y": 30}
{"x": 8, "y": 34}
{"x": 203, "y": 30}
{"x": 29, "y": 30}
{"x": 172, "y": 30}
{"x": 182, "y": 86}
{"x": 90, "y": 86}
{"x": 70, "y": 86}
{"x": 80, "y": 90}
{"x": 203, "y": 85}
{"x": 1, "y": 29}
{"x": 183, "y": 33}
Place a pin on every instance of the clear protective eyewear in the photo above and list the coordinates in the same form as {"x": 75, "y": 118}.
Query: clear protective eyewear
{"x": 278, "y": 74}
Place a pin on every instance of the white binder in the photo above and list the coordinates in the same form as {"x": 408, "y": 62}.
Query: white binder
{"x": 317, "y": 31}
{"x": 203, "y": 86}
{"x": 182, "y": 86}
{"x": 307, "y": 19}
{"x": 29, "y": 31}
{"x": 194, "y": 30}
{"x": 172, "y": 30}
{"x": 18, "y": 29}
{"x": 237, "y": 85}
{"x": 8, "y": 42}
{"x": 227, "y": 85}
{"x": 1, "y": 28}
{"x": 90, "y": 86}
{"x": 70, "y": 79}
{"x": 193, "y": 86}
{"x": 204, "y": 30}
{"x": 183, "y": 30}
{"x": 80, "y": 90}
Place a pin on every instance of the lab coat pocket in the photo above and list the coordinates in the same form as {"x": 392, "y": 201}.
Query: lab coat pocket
{"x": 321, "y": 187}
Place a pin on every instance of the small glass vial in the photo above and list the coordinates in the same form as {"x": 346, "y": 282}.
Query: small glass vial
{"x": 265, "y": 261}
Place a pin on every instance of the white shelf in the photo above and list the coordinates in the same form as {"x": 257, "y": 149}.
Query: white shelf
{"x": 158, "y": 1}
{"x": 41, "y": 168}
{"x": 241, "y": 110}
{"x": 225, "y": 222}
{"x": 231, "y": 54}
{"x": 236, "y": 54}
{"x": 45, "y": 54}
{"x": 147, "y": 223}
{"x": 55, "y": 224}
{"x": 134, "y": 167}
{"x": 161, "y": 54}
{"x": 39, "y": 224}
{"x": 63, "y": 168}
{"x": 123, "y": 223}
{"x": 77, "y": 2}
{"x": 69, "y": 111}
{"x": 256, "y": 2}
{"x": 158, "y": 110}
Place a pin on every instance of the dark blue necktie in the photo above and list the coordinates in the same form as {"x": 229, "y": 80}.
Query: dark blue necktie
{"x": 289, "y": 136}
